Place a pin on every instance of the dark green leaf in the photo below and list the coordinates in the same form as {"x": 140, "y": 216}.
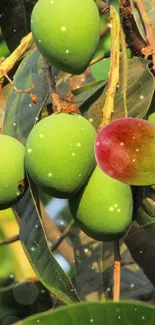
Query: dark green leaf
{"x": 15, "y": 20}
{"x": 21, "y": 113}
{"x": 99, "y": 313}
{"x": 36, "y": 247}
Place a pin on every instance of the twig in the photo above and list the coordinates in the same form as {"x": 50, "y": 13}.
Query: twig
{"x": 28, "y": 91}
{"x": 53, "y": 233}
{"x": 62, "y": 237}
{"x": 108, "y": 107}
{"x": 149, "y": 28}
{"x": 117, "y": 271}
{"x": 124, "y": 63}
{"x": 10, "y": 240}
{"x": 133, "y": 37}
{"x": 9, "y": 62}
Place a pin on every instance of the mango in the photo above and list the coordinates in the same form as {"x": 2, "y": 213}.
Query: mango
{"x": 60, "y": 153}
{"x": 12, "y": 183}
{"x": 103, "y": 208}
{"x": 66, "y": 32}
{"x": 151, "y": 118}
{"x": 125, "y": 150}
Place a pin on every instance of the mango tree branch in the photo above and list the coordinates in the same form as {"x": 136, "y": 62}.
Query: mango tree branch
{"x": 9, "y": 62}
{"x": 108, "y": 107}
{"x": 148, "y": 27}
{"x": 124, "y": 66}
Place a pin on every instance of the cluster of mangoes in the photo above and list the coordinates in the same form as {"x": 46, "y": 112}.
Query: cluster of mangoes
{"x": 62, "y": 150}
{"x": 60, "y": 157}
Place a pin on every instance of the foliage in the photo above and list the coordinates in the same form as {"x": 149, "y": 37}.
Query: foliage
{"x": 119, "y": 83}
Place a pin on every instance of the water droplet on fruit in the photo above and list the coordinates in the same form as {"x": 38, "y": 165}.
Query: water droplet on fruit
{"x": 63, "y": 28}
{"x": 73, "y": 154}
{"x": 133, "y": 160}
{"x": 79, "y": 175}
{"x": 111, "y": 209}
{"x": 137, "y": 150}
{"x": 139, "y": 124}
{"x": 50, "y": 174}
{"x": 121, "y": 144}
{"x": 115, "y": 205}
{"x": 133, "y": 138}
{"x": 29, "y": 150}
{"x": 78, "y": 144}
{"x": 52, "y": 2}
{"x": 118, "y": 210}
{"x": 41, "y": 135}
{"x": 67, "y": 51}
{"x": 119, "y": 159}
{"x": 17, "y": 193}
{"x": 39, "y": 40}
{"x": 97, "y": 143}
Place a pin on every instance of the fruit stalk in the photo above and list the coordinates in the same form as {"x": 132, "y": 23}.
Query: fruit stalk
{"x": 117, "y": 271}
{"x": 114, "y": 68}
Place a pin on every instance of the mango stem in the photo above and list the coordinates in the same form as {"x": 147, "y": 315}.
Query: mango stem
{"x": 117, "y": 271}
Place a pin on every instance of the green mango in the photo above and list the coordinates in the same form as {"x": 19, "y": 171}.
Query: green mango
{"x": 12, "y": 183}
{"x": 151, "y": 118}
{"x": 103, "y": 208}
{"x": 60, "y": 153}
{"x": 66, "y": 32}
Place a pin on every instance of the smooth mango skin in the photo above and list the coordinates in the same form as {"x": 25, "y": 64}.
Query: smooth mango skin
{"x": 125, "y": 150}
{"x": 103, "y": 208}
{"x": 66, "y": 32}
{"x": 12, "y": 183}
{"x": 59, "y": 153}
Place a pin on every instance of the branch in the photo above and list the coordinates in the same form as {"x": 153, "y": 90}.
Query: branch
{"x": 9, "y": 62}
{"x": 124, "y": 66}
{"x": 148, "y": 27}
{"x": 114, "y": 68}
{"x": 133, "y": 37}
{"x": 53, "y": 234}
{"x": 117, "y": 271}
{"x": 10, "y": 240}
{"x": 62, "y": 237}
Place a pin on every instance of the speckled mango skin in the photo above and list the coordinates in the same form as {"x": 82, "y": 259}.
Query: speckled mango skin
{"x": 103, "y": 208}
{"x": 66, "y": 32}
{"x": 59, "y": 153}
{"x": 12, "y": 183}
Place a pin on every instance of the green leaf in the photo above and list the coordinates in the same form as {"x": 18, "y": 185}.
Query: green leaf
{"x": 99, "y": 313}
{"x": 21, "y": 113}
{"x": 100, "y": 69}
{"x": 34, "y": 242}
{"x": 140, "y": 89}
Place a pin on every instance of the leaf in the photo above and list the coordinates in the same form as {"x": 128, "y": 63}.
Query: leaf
{"x": 100, "y": 69}
{"x": 144, "y": 205}
{"x": 99, "y": 313}
{"x": 34, "y": 241}
{"x": 139, "y": 94}
{"x": 88, "y": 274}
{"x": 19, "y": 106}
{"x": 18, "y": 14}
{"x": 141, "y": 244}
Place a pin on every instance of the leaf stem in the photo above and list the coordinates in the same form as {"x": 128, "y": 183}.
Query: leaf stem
{"x": 10, "y": 240}
{"x": 108, "y": 107}
{"x": 117, "y": 271}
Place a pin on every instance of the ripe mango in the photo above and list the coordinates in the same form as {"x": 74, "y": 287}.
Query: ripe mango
{"x": 125, "y": 150}
{"x": 60, "y": 153}
{"x": 66, "y": 32}
{"x": 103, "y": 208}
{"x": 12, "y": 183}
